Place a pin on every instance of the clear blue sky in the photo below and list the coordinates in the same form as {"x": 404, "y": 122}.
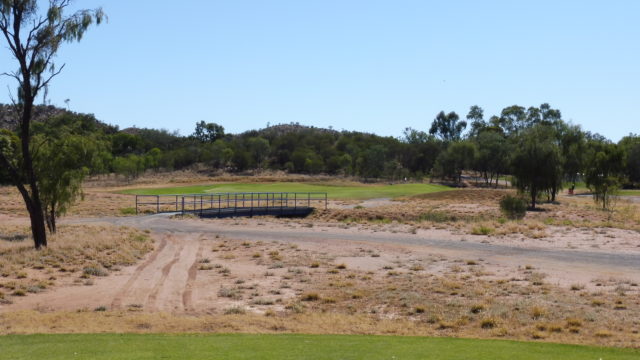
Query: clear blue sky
{"x": 375, "y": 66}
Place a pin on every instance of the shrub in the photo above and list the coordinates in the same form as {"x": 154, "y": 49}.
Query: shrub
{"x": 573, "y": 322}
{"x": 488, "y": 323}
{"x": 94, "y": 271}
{"x": 482, "y": 230}
{"x": 513, "y": 207}
{"x": 234, "y": 310}
{"x": 603, "y": 333}
{"x": 310, "y": 297}
{"x": 128, "y": 211}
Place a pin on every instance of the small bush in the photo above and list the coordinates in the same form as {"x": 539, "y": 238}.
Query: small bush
{"x": 34, "y": 289}
{"x": 94, "y": 271}
{"x": 577, "y": 287}
{"x": 235, "y": 310}
{"x": 488, "y": 323}
{"x": 603, "y": 334}
{"x": 231, "y": 293}
{"x": 538, "y": 312}
{"x": 537, "y": 335}
{"x": 573, "y": 322}
{"x": 127, "y": 211}
{"x": 482, "y": 230}
{"x": 513, "y": 207}
{"x": 310, "y": 297}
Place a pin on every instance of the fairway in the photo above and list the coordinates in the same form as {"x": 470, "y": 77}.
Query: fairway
{"x": 243, "y": 346}
{"x": 335, "y": 192}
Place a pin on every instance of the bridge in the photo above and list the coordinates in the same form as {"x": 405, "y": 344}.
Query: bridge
{"x": 234, "y": 204}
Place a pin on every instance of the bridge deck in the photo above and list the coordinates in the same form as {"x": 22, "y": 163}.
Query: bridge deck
{"x": 285, "y": 204}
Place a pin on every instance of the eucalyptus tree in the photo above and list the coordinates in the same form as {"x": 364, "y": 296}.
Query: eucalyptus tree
{"x": 448, "y": 127}
{"x": 537, "y": 162}
{"x": 68, "y": 147}
{"x": 604, "y": 171}
{"x": 476, "y": 118}
{"x": 34, "y": 36}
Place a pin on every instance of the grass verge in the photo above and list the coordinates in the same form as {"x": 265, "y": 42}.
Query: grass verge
{"x": 245, "y": 346}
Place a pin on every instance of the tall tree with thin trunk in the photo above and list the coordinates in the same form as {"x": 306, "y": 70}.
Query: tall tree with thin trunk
{"x": 34, "y": 36}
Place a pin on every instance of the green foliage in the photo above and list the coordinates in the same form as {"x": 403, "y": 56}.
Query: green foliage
{"x": 128, "y": 211}
{"x": 33, "y": 38}
{"x": 371, "y": 163}
{"x": 604, "y": 171}
{"x": 65, "y": 149}
{"x": 493, "y": 154}
{"x": 537, "y": 162}
{"x": 208, "y": 132}
{"x": 447, "y": 126}
{"x": 130, "y": 166}
{"x": 631, "y": 146}
{"x": 513, "y": 207}
{"x": 459, "y": 156}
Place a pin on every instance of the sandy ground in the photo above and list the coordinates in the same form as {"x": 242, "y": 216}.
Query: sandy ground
{"x": 184, "y": 275}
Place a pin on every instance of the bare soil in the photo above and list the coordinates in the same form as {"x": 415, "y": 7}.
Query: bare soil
{"x": 568, "y": 273}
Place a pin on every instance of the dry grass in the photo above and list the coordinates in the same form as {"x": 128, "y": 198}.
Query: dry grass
{"x": 75, "y": 252}
{"x": 95, "y": 203}
{"x": 431, "y": 296}
{"x": 477, "y": 212}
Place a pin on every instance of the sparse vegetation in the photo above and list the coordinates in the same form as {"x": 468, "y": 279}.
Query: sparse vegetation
{"x": 513, "y": 207}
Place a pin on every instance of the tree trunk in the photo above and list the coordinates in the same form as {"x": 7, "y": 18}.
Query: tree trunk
{"x": 534, "y": 193}
{"x": 36, "y": 212}
{"x": 53, "y": 220}
{"x": 50, "y": 218}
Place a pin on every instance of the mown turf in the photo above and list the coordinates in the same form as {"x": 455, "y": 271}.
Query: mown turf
{"x": 311, "y": 347}
{"x": 630, "y": 192}
{"x": 354, "y": 192}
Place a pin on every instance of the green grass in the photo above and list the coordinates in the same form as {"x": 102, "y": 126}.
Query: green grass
{"x": 354, "y": 192}
{"x": 630, "y": 192}
{"x": 280, "y": 347}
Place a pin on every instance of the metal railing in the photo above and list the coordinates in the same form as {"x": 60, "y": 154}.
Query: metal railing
{"x": 232, "y": 204}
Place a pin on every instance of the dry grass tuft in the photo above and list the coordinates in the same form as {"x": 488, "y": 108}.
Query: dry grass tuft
{"x": 82, "y": 251}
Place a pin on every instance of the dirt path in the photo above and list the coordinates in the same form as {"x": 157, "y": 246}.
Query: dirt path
{"x": 564, "y": 266}
{"x": 430, "y": 239}
{"x": 163, "y": 282}
{"x": 170, "y": 278}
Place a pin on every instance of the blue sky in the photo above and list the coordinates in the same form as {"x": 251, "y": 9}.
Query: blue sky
{"x": 375, "y": 66}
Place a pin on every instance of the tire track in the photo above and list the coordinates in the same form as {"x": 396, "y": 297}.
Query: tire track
{"x": 120, "y": 295}
{"x": 187, "y": 294}
{"x": 153, "y": 295}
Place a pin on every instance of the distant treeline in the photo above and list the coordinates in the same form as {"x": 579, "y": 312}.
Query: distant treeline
{"x": 531, "y": 142}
